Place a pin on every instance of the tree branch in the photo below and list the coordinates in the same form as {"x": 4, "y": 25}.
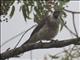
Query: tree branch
{"x": 72, "y": 11}
{"x": 27, "y": 47}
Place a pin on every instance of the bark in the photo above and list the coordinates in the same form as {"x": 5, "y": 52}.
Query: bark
{"x": 44, "y": 45}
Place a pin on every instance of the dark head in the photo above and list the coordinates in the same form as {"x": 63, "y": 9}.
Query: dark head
{"x": 56, "y": 14}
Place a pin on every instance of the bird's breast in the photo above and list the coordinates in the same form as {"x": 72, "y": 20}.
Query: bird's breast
{"x": 47, "y": 32}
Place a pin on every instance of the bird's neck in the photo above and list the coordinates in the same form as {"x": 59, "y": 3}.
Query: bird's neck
{"x": 52, "y": 22}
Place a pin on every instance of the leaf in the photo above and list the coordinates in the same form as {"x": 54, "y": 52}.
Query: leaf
{"x": 62, "y": 23}
{"x": 31, "y": 9}
{"x": 27, "y": 10}
{"x": 36, "y": 9}
{"x": 24, "y": 12}
{"x": 31, "y": 2}
{"x": 20, "y": 8}
{"x": 26, "y": 7}
{"x": 28, "y": 17}
{"x": 65, "y": 15}
{"x": 12, "y": 11}
{"x": 54, "y": 57}
{"x": 36, "y": 19}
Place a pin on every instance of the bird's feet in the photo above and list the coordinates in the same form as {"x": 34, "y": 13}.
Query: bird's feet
{"x": 53, "y": 40}
{"x": 41, "y": 43}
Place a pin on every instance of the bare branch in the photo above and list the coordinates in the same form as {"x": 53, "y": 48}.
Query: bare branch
{"x": 32, "y": 46}
{"x": 23, "y": 35}
{"x": 74, "y": 25}
{"x": 72, "y": 11}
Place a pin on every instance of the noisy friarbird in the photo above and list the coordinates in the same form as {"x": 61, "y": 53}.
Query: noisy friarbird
{"x": 46, "y": 29}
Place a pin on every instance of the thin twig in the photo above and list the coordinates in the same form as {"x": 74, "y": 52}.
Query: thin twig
{"x": 75, "y": 31}
{"x": 74, "y": 24}
{"x": 72, "y": 11}
{"x": 12, "y": 38}
{"x": 23, "y": 35}
{"x": 67, "y": 27}
{"x": 69, "y": 30}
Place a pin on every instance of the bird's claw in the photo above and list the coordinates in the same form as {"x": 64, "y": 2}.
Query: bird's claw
{"x": 41, "y": 43}
{"x": 51, "y": 41}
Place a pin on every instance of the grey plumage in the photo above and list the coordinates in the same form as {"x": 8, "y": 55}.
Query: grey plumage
{"x": 47, "y": 29}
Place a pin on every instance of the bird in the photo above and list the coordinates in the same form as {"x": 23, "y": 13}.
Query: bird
{"x": 46, "y": 30}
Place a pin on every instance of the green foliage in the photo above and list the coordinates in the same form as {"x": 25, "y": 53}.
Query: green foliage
{"x": 63, "y": 2}
{"x": 41, "y": 7}
{"x": 12, "y": 11}
{"x": 24, "y": 12}
{"x": 5, "y": 5}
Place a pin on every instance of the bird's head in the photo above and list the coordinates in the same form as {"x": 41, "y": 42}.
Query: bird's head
{"x": 54, "y": 18}
{"x": 56, "y": 14}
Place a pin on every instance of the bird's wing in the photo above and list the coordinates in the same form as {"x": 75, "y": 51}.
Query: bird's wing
{"x": 40, "y": 25}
